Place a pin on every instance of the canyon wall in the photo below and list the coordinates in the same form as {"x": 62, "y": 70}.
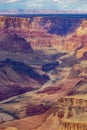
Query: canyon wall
{"x": 40, "y": 31}
{"x": 19, "y": 63}
{"x": 73, "y": 126}
{"x": 74, "y": 109}
{"x": 71, "y": 105}
{"x": 58, "y": 32}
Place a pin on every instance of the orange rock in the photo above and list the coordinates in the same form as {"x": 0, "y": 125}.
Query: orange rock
{"x": 11, "y": 128}
{"x": 80, "y": 53}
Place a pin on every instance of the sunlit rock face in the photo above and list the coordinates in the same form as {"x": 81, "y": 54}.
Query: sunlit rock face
{"x": 40, "y": 30}
{"x": 43, "y": 73}
{"x": 53, "y": 25}
{"x": 49, "y": 31}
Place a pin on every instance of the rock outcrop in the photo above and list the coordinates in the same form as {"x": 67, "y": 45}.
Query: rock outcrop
{"x": 72, "y": 105}
{"x": 40, "y": 31}
{"x": 75, "y": 123}
{"x": 49, "y": 88}
{"x": 54, "y": 119}
{"x": 17, "y": 78}
{"x": 14, "y": 43}
{"x": 74, "y": 117}
{"x": 49, "y": 32}
{"x": 69, "y": 33}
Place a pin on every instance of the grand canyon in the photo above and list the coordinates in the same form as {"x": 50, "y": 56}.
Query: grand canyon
{"x": 43, "y": 72}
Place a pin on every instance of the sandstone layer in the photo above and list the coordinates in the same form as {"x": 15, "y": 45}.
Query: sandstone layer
{"x": 43, "y": 73}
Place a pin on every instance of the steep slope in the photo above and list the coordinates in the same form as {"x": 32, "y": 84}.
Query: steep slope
{"x": 14, "y": 43}
{"x": 53, "y": 25}
{"x": 56, "y": 72}
{"x": 68, "y": 114}
{"x": 16, "y": 74}
{"x": 75, "y": 123}
{"x": 46, "y": 31}
{"x": 34, "y": 123}
{"x": 17, "y": 78}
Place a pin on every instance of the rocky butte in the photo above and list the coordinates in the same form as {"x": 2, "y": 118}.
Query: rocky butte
{"x": 43, "y": 72}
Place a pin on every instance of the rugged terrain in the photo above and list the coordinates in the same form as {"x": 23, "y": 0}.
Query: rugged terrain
{"x": 43, "y": 73}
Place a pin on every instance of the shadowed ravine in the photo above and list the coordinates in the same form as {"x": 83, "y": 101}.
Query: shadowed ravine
{"x": 43, "y": 72}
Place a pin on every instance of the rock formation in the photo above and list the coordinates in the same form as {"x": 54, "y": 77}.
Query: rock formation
{"x": 43, "y": 80}
{"x": 39, "y": 30}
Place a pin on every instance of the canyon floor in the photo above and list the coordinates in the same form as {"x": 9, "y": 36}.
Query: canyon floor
{"x": 43, "y": 73}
